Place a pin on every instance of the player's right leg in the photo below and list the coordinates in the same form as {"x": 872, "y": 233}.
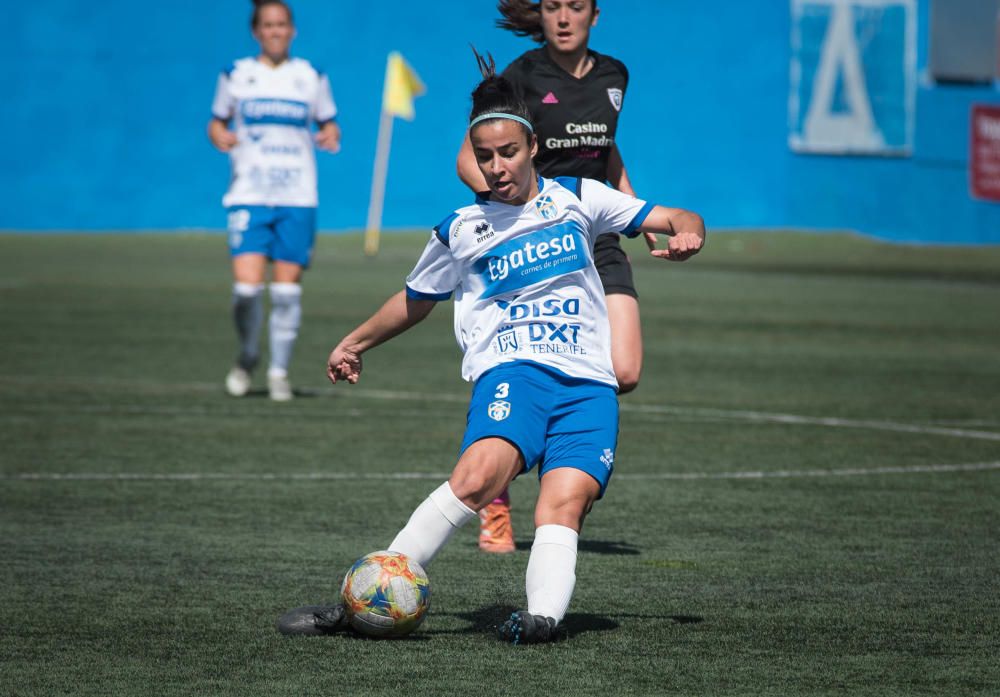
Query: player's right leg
{"x": 249, "y": 246}
{"x": 484, "y": 468}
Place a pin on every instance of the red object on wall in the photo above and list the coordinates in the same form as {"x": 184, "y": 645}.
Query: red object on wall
{"x": 984, "y": 158}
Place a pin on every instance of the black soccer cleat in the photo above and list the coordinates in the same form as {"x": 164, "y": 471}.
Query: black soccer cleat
{"x": 314, "y": 620}
{"x": 524, "y": 628}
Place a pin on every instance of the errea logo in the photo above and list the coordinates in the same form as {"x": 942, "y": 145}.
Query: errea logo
{"x": 483, "y": 231}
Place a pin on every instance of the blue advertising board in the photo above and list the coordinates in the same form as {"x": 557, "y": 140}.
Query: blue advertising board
{"x": 853, "y": 76}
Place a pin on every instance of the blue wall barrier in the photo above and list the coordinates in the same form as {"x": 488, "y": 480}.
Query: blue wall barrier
{"x": 106, "y": 111}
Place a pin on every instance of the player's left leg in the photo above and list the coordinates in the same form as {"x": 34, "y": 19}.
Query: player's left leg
{"x": 295, "y": 230}
{"x": 563, "y": 502}
{"x": 249, "y": 246}
{"x": 579, "y": 459}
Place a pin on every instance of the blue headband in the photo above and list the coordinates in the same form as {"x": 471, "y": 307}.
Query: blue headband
{"x": 501, "y": 115}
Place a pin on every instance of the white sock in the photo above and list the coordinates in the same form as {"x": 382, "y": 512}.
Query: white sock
{"x": 248, "y": 314}
{"x": 432, "y": 525}
{"x": 286, "y": 315}
{"x": 551, "y": 573}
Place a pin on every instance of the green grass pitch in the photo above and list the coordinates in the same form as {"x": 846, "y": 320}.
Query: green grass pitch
{"x": 805, "y": 499}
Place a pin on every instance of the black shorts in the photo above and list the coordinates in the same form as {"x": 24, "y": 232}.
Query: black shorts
{"x": 614, "y": 267}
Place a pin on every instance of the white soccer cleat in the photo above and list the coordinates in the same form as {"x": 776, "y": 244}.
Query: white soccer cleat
{"x": 237, "y": 382}
{"x": 278, "y": 387}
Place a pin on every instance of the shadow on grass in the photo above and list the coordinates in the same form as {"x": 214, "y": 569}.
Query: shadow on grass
{"x": 593, "y": 546}
{"x": 487, "y": 620}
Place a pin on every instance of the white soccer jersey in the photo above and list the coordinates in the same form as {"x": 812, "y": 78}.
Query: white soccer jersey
{"x": 272, "y": 110}
{"x": 524, "y": 279}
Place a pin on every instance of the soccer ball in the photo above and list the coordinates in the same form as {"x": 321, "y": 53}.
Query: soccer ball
{"x": 386, "y": 594}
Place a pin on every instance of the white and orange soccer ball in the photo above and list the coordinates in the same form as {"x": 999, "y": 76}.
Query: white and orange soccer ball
{"x": 386, "y": 594}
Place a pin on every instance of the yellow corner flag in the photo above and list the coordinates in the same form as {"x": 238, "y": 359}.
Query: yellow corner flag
{"x": 402, "y": 84}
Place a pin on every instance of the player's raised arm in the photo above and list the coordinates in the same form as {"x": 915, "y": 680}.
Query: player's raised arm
{"x": 398, "y": 314}
{"x": 685, "y": 232}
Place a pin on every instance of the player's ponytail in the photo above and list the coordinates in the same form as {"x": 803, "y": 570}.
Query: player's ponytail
{"x": 524, "y": 18}
{"x": 258, "y": 4}
{"x": 496, "y": 95}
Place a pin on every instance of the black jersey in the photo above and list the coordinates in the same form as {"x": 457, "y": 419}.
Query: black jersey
{"x": 575, "y": 119}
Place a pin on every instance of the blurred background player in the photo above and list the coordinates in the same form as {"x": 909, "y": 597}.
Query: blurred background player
{"x": 544, "y": 390}
{"x": 271, "y": 101}
{"x": 574, "y": 96}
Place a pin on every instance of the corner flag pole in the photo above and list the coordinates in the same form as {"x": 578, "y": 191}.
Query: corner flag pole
{"x": 379, "y": 175}
{"x": 402, "y": 85}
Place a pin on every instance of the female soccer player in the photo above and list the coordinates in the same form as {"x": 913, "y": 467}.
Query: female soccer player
{"x": 532, "y": 322}
{"x": 271, "y": 101}
{"x": 574, "y": 96}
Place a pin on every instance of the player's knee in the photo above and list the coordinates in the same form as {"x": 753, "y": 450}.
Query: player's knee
{"x": 568, "y": 511}
{"x": 473, "y": 488}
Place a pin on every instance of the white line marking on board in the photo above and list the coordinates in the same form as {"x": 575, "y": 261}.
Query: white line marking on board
{"x": 390, "y": 476}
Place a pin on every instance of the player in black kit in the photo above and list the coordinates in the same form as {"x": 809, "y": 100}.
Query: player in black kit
{"x": 574, "y": 95}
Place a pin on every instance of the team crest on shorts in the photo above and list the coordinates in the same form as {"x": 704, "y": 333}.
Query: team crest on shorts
{"x": 615, "y": 95}
{"x": 546, "y": 207}
{"x": 499, "y": 410}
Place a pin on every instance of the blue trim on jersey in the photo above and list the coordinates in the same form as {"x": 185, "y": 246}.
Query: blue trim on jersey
{"x": 632, "y": 229}
{"x": 482, "y": 197}
{"x": 574, "y": 184}
{"x": 442, "y": 228}
{"x": 417, "y": 295}
{"x": 228, "y": 72}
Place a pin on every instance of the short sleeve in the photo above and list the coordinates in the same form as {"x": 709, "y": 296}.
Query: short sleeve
{"x": 611, "y": 210}
{"x": 224, "y": 104}
{"x": 435, "y": 276}
{"x": 326, "y": 108}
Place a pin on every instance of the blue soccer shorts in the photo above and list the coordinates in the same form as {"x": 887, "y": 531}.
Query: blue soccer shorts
{"x": 553, "y": 419}
{"x": 281, "y": 233}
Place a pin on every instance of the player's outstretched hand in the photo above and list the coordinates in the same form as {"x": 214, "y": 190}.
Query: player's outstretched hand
{"x": 343, "y": 364}
{"x": 681, "y": 246}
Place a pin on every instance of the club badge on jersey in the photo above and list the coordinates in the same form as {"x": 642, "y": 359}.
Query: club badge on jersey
{"x": 616, "y": 95}
{"x": 546, "y": 207}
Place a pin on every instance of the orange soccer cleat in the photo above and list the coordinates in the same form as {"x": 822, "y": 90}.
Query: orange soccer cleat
{"x": 495, "y": 532}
